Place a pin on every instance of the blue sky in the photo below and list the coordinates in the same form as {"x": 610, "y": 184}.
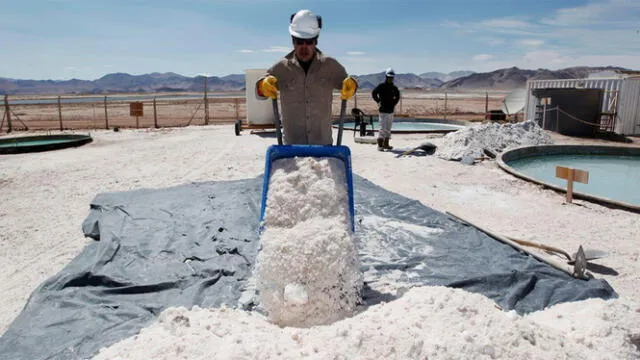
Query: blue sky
{"x": 86, "y": 39}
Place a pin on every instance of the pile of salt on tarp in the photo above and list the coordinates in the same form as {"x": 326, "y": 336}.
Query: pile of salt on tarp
{"x": 196, "y": 244}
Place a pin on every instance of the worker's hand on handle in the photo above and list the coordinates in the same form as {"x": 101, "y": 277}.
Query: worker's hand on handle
{"x": 268, "y": 87}
{"x": 349, "y": 87}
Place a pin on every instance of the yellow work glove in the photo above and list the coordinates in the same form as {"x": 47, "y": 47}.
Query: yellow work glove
{"x": 349, "y": 87}
{"x": 268, "y": 87}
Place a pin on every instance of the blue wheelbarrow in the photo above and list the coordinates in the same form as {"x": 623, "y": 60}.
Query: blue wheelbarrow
{"x": 280, "y": 151}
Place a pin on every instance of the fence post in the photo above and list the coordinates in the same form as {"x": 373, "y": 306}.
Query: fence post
{"x": 60, "y": 113}
{"x": 106, "y": 116}
{"x": 155, "y": 113}
{"x": 206, "y": 102}
{"x": 445, "y": 105}
{"x": 486, "y": 102}
{"x": 7, "y": 111}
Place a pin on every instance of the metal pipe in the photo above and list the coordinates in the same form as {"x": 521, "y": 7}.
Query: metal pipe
{"x": 276, "y": 114}
{"x": 343, "y": 110}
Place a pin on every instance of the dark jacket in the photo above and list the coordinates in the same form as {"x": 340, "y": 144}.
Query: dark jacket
{"x": 387, "y": 96}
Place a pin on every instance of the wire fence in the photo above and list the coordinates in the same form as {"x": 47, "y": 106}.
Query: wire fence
{"x": 117, "y": 111}
{"x": 108, "y": 113}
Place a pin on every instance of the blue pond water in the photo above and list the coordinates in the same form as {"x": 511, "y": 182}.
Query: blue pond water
{"x": 610, "y": 176}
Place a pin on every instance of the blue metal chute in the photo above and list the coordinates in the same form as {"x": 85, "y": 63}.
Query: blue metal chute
{"x": 341, "y": 152}
{"x": 275, "y": 152}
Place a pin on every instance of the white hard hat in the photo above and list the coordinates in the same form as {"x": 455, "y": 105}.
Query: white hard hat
{"x": 390, "y": 73}
{"x": 305, "y": 24}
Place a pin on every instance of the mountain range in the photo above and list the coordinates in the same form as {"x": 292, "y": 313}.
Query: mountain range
{"x": 501, "y": 79}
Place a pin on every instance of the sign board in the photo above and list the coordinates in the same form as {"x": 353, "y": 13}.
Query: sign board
{"x": 572, "y": 175}
{"x": 135, "y": 108}
{"x": 580, "y": 176}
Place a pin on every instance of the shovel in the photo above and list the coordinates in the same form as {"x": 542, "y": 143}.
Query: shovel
{"x": 427, "y": 147}
{"x": 589, "y": 254}
{"x": 578, "y": 262}
{"x": 280, "y": 151}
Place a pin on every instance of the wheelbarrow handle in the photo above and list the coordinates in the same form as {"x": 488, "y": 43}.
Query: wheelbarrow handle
{"x": 343, "y": 110}
{"x": 276, "y": 114}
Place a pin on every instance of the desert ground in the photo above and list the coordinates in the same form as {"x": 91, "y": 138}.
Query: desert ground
{"x": 44, "y": 197}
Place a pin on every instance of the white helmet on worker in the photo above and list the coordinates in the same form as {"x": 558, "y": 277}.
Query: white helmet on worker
{"x": 305, "y": 24}
{"x": 390, "y": 73}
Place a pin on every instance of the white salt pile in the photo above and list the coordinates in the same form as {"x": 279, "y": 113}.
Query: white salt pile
{"x": 470, "y": 141}
{"x": 307, "y": 271}
{"x": 426, "y": 323}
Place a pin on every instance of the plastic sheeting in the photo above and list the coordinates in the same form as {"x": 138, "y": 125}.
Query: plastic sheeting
{"x": 196, "y": 244}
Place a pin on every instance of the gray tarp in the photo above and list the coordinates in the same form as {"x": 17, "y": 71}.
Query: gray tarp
{"x": 195, "y": 245}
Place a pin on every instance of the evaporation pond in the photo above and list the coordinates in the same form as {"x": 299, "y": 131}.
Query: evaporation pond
{"x": 614, "y": 177}
{"x": 20, "y": 142}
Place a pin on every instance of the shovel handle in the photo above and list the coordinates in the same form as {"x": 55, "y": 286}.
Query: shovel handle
{"x": 408, "y": 152}
{"x": 506, "y": 240}
{"x": 276, "y": 114}
{"x": 343, "y": 110}
{"x": 542, "y": 246}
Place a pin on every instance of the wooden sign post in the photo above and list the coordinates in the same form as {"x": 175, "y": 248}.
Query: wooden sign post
{"x": 135, "y": 109}
{"x": 572, "y": 175}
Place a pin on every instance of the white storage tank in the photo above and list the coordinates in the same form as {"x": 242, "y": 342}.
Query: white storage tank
{"x": 259, "y": 112}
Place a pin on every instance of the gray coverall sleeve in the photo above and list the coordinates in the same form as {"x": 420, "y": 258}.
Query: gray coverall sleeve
{"x": 339, "y": 75}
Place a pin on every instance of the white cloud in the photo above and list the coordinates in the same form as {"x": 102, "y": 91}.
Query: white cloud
{"x": 591, "y": 40}
{"x": 531, "y": 42}
{"x": 491, "y": 41}
{"x": 459, "y": 28}
{"x": 246, "y": 51}
{"x": 355, "y": 53}
{"x": 628, "y": 61}
{"x": 615, "y": 11}
{"x": 552, "y": 59}
{"x": 451, "y": 24}
{"x": 482, "y": 57}
{"x": 279, "y": 49}
{"x": 508, "y": 23}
